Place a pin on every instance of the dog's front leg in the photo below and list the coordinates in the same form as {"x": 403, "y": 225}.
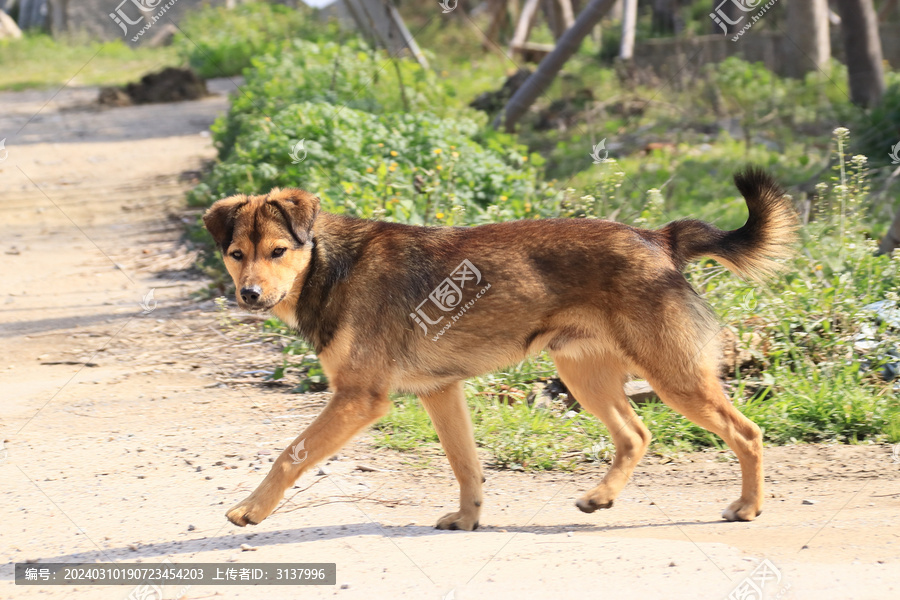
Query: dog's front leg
{"x": 347, "y": 413}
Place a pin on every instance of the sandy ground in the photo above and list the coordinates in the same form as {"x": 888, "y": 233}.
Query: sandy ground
{"x": 128, "y": 432}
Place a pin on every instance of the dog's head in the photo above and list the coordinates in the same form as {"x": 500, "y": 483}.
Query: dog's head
{"x": 266, "y": 242}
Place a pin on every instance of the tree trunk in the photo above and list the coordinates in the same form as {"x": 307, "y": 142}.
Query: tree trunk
{"x": 666, "y": 18}
{"x": 568, "y": 44}
{"x": 862, "y": 47}
{"x": 629, "y": 22}
{"x": 808, "y": 47}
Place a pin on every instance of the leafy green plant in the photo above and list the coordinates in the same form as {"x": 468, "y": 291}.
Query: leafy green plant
{"x": 349, "y": 75}
{"x": 412, "y": 168}
{"x": 218, "y": 42}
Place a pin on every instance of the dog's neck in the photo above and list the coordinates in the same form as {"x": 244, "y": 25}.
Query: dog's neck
{"x": 310, "y": 308}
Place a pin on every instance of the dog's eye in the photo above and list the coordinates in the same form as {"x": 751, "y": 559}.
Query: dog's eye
{"x": 237, "y": 255}
{"x": 278, "y": 252}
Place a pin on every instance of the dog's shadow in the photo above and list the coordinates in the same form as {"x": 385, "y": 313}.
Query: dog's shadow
{"x": 306, "y": 534}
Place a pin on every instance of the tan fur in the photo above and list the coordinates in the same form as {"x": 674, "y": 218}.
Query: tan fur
{"x": 606, "y": 300}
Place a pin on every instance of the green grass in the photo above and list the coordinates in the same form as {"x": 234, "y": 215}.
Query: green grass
{"x": 807, "y": 407}
{"x": 39, "y": 61}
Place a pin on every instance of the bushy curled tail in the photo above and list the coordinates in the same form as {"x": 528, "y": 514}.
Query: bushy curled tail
{"x": 751, "y": 250}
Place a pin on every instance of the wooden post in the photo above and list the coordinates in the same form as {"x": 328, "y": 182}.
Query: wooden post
{"x": 809, "y": 46}
{"x": 629, "y": 22}
{"x": 523, "y": 27}
{"x": 567, "y": 14}
{"x": 568, "y": 44}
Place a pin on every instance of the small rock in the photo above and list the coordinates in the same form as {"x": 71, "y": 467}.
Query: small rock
{"x": 191, "y": 528}
{"x": 233, "y": 558}
{"x": 248, "y": 548}
{"x": 264, "y": 452}
{"x": 672, "y": 564}
{"x": 345, "y": 586}
{"x": 323, "y": 471}
{"x": 369, "y": 469}
{"x": 810, "y": 502}
{"x": 133, "y": 547}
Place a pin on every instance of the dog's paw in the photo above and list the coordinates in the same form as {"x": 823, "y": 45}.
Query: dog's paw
{"x": 249, "y": 512}
{"x": 741, "y": 510}
{"x": 458, "y": 520}
{"x": 588, "y": 505}
{"x": 596, "y": 499}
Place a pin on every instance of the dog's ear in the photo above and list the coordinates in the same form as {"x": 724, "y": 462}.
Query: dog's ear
{"x": 220, "y": 217}
{"x": 299, "y": 209}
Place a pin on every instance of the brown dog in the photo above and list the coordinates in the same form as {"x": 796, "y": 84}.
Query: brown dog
{"x": 420, "y": 309}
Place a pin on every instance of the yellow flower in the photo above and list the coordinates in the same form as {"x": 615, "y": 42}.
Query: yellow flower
{"x": 527, "y": 206}
{"x": 453, "y": 147}
{"x": 393, "y": 164}
{"x": 439, "y": 215}
{"x": 454, "y": 154}
{"x": 503, "y": 198}
{"x": 392, "y": 168}
{"x": 381, "y": 145}
{"x": 818, "y": 267}
{"x": 369, "y": 169}
{"x": 437, "y": 150}
{"x": 444, "y": 74}
{"x": 440, "y": 167}
{"x": 395, "y": 200}
{"x": 393, "y": 153}
{"x": 524, "y": 159}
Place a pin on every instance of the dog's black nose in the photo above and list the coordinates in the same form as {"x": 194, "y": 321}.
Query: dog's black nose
{"x": 251, "y": 294}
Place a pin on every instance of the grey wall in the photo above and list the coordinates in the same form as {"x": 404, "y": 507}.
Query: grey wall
{"x": 668, "y": 56}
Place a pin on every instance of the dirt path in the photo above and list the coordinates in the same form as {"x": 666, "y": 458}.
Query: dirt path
{"x": 128, "y": 433}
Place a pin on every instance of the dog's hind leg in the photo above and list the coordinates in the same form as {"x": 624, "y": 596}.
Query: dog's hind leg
{"x": 703, "y": 401}
{"x": 597, "y": 383}
{"x": 348, "y": 412}
{"x": 450, "y": 415}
